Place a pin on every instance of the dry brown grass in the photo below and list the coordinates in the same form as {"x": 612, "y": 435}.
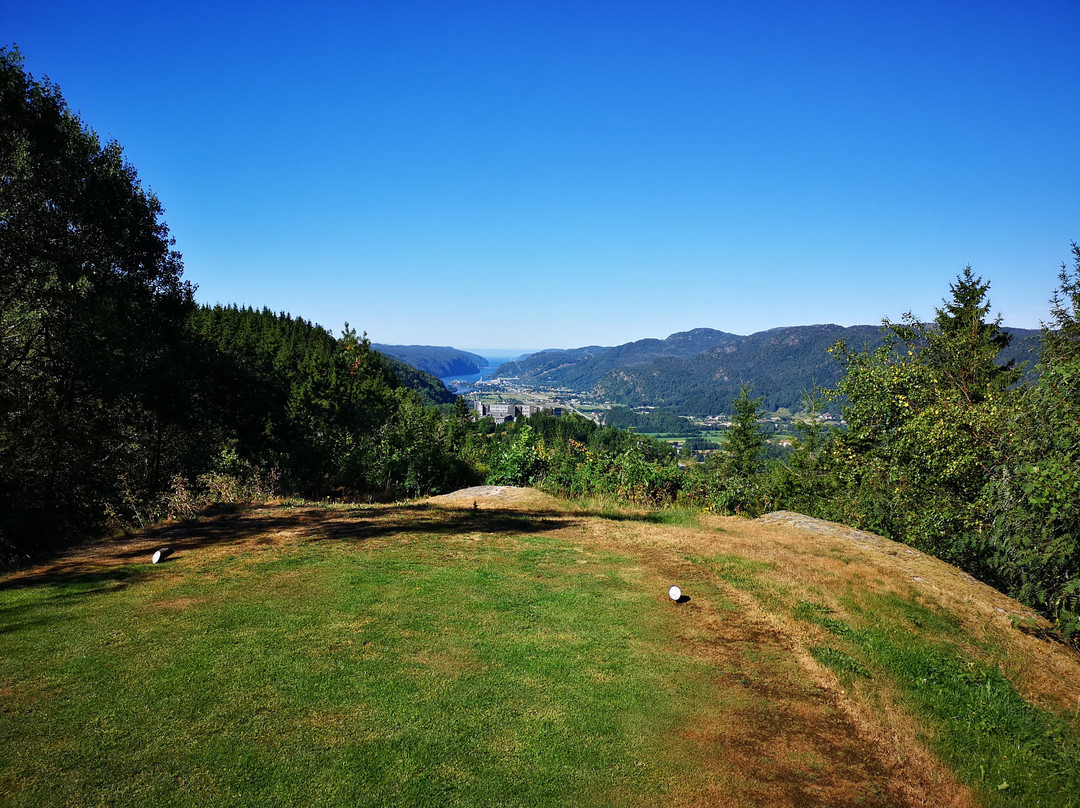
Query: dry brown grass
{"x": 811, "y": 724}
{"x": 782, "y": 729}
{"x": 795, "y": 733}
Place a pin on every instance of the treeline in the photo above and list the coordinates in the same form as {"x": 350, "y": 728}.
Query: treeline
{"x": 572, "y": 456}
{"x": 243, "y": 405}
{"x": 319, "y": 414}
{"x": 657, "y": 421}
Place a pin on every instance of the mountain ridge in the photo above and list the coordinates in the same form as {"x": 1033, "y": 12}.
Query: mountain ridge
{"x": 700, "y": 371}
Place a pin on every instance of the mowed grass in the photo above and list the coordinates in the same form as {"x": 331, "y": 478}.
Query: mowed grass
{"x": 515, "y": 651}
{"x": 469, "y": 669}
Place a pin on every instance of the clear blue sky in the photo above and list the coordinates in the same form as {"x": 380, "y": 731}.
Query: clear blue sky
{"x": 555, "y": 174}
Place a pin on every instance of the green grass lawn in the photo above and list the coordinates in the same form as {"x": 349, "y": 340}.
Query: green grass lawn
{"x": 465, "y": 672}
{"x": 414, "y": 655}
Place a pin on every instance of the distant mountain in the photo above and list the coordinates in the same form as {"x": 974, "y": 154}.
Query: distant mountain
{"x": 699, "y": 372}
{"x": 582, "y": 368}
{"x": 439, "y": 361}
{"x": 548, "y": 363}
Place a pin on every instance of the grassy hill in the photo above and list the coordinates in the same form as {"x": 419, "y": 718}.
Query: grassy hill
{"x": 499, "y": 647}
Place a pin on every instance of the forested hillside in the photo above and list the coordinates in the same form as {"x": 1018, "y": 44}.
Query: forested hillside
{"x": 781, "y": 365}
{"x": 539, "y": 367}
{"x": 426, "y": 384}
{"x": 699, "y": 372}
{"x": 440, "y": 362}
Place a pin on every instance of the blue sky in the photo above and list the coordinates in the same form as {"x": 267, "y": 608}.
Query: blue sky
{"x": 556, "y": 174}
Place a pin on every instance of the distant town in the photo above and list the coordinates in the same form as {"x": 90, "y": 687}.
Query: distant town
{"x": 505, "y": 412}
{"x": 505, "y": 399}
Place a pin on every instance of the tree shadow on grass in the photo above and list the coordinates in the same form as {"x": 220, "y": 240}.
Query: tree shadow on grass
{"x": 424, "y": 519}
{"x": 76, "y": 584}
{"x": 55, "y": 593}
{"x": 124, "y": 559}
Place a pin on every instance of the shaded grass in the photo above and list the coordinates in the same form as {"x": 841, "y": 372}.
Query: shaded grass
{"x": 461, "y": 672}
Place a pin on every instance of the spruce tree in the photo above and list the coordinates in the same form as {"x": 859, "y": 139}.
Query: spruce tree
{"x": 744, "y": 441}
{"x": 963, "y": 342}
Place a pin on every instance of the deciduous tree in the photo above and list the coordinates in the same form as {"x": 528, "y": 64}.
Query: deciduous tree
{"x": 91, "y": 302}
{"x": 924, "y": 414}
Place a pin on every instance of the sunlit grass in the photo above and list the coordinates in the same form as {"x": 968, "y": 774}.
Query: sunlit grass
{"x": 1011, "y": 752}
{"x": 467, "y": 672}
{"x": 415, "y": 654}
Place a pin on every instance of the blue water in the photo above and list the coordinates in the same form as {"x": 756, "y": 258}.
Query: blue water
{"x": 463, "y": 384}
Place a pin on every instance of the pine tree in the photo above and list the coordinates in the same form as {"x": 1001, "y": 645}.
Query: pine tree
{"x": 1061, "y": 336}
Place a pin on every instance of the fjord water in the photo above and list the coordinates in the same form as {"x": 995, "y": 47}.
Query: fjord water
{"x": 461, "y": 384}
